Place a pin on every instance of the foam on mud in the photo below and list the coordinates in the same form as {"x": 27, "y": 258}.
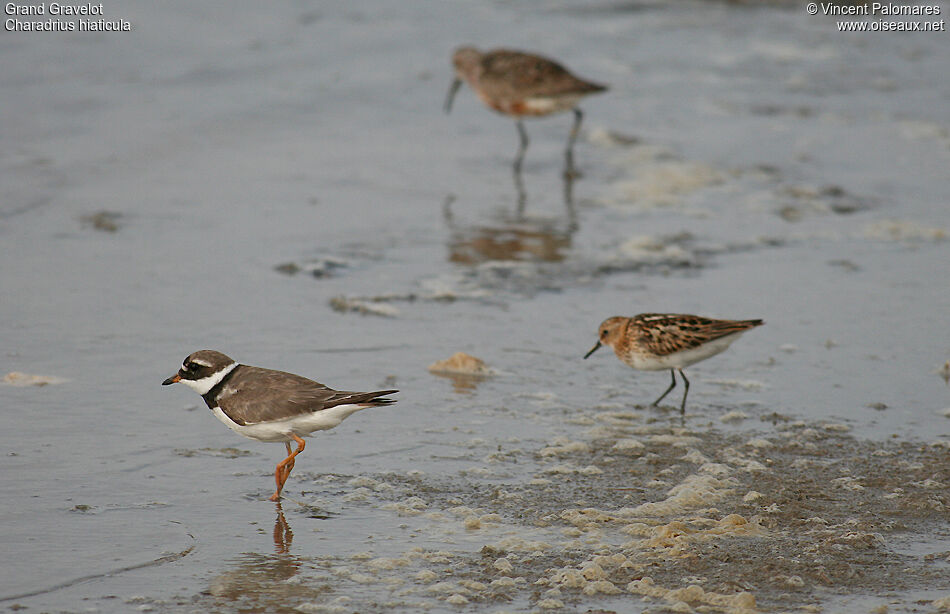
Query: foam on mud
{"x": 691, "y": 596}
{"x": 657, "y": 178}
{"x": 903, "y": 231}
{"x": 648, "y": 249}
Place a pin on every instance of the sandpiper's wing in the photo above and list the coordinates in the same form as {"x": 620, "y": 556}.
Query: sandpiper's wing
{"x": 517, "y": 74}
{"x": 667, "y": 333}
{"x": 278, "y": 395}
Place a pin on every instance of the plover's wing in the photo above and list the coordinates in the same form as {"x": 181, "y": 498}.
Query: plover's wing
{"x": 263, "y": 395}
{"x": 667, "y": 333}
{"x": 317, "y": 399}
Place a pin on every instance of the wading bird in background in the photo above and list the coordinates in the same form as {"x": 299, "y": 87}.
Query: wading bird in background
{"x": 520, "y": 85}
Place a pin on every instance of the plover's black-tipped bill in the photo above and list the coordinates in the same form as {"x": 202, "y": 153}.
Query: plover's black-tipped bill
{"x": 592, "y": 350}
{"x": 456, "y": 83}
{"x": 174, "y": 379}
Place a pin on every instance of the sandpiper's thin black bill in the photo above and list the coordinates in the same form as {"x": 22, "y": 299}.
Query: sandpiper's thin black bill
{"x": 451, "y": 96}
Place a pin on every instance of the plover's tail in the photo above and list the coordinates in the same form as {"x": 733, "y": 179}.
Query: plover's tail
{"x": 373, "y": 399}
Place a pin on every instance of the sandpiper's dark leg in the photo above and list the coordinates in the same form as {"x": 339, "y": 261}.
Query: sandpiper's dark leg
{"x": 523, "y": 147}
{"x": 283, "y": 467}
{"x": 569, "y": 170}
{"x": 685, "y": 392}
{"x": 672, "y": 386}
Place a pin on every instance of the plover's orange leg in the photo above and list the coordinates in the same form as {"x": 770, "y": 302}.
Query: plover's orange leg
{"x": 283, "y": 467}
{"x": 289, "y": 466}
{"x": 672, "y": 386}
{"x": 522, "y": 147}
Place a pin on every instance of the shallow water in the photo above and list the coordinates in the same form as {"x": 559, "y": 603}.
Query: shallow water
{"x": 252, "y": 180}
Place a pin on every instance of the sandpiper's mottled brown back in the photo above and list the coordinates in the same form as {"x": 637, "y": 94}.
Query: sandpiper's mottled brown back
{"x": 668, "y": 341}
{"x": 662, "y": 334}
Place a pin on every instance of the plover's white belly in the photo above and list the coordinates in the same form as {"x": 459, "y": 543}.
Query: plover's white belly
{"x": 302, "y": 426}
{"x": 682, "y": 359}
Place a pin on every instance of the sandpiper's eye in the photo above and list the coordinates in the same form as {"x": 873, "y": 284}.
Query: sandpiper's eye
{"x": 189, "y": 366}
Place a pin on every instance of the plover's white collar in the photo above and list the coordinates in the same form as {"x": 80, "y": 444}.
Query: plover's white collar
{"x": 203, "y": 385}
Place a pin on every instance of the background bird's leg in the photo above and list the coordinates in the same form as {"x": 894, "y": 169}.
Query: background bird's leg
{"x": 672, "y": 386}
{"x": 523, "y": 146}
{"x": 569, "y": 170}
{"x": 522, "y": 195}
{"x": 283, "y": 467}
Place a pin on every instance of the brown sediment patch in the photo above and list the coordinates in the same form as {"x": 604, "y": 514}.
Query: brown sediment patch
{"x": 103, "y": 221}
{"x": 461, "y": 363}
{"x": 700, "y": 521}
{"x": 222, "y": 452}
{"x": 15, "y": 378}
{"x": 777, "y": 518}
{"x": 465, "y": 371}
{"x": 366, "y": 307}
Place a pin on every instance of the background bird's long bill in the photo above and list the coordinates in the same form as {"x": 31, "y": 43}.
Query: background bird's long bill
{"x": 451, "y": 96}
{"x": 592, "y": 350}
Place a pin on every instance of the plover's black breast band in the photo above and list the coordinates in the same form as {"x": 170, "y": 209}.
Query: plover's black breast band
{"x": 211, "y": 397}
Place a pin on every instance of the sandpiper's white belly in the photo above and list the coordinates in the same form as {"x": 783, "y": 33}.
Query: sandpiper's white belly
{"x": 680, "y": 360}
{"x": 302, "y": 426}
{"x": 545, "y": 105}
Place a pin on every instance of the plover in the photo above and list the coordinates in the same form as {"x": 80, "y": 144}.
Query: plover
{"x": 519, "y": 85}
{"x": 659, "y": 341}
{"x": 269, "y": 405}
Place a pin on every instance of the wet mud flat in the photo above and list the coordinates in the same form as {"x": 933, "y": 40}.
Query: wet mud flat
{"x": 745, "y": 163}
{"x": 636, "y": 514}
